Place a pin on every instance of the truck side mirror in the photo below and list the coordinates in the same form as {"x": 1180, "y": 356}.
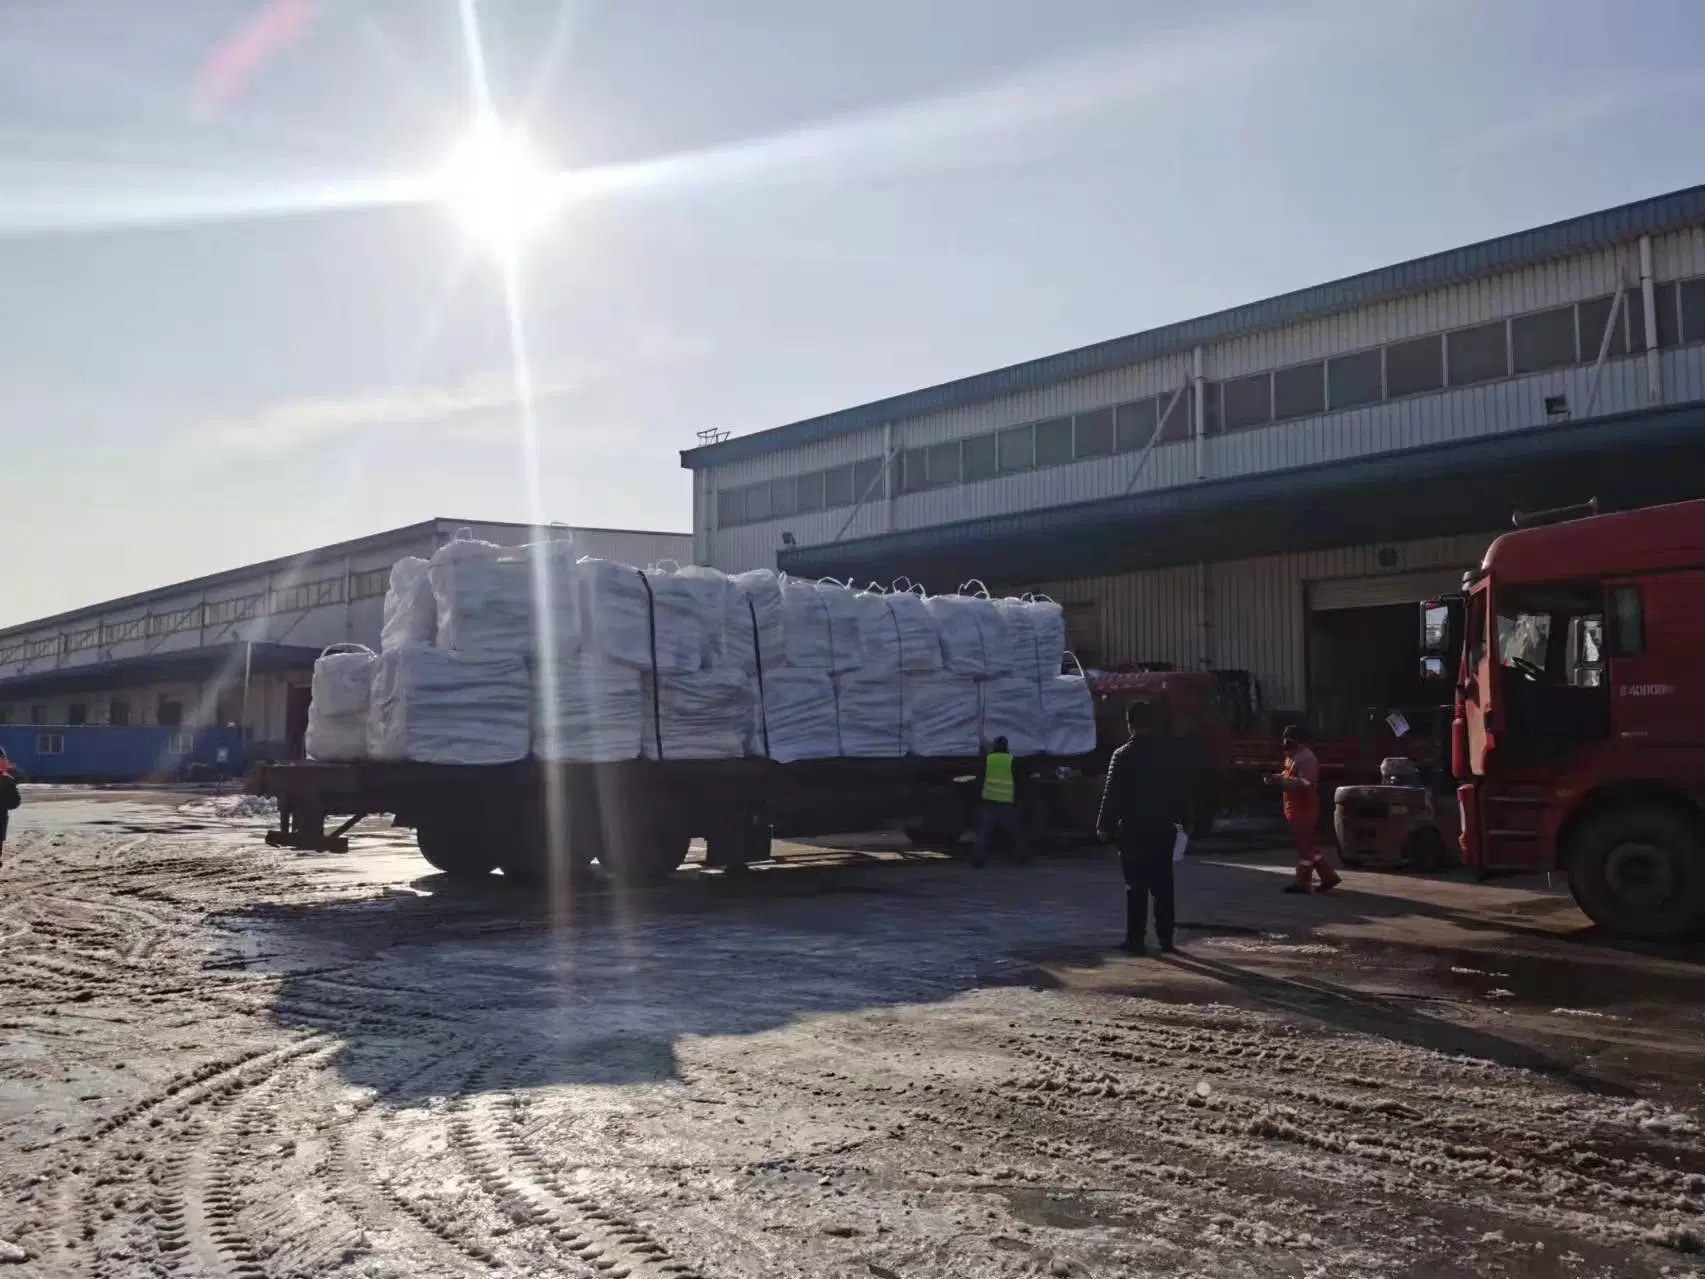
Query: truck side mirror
{"x": 1435, "y": 628}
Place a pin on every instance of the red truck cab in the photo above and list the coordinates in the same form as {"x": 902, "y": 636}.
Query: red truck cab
{"x": 1578, "y": 737}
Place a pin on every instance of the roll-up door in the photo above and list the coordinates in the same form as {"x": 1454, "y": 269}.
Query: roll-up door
{"x": 1331, "y": 594}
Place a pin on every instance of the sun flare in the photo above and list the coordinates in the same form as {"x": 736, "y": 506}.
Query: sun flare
{"x": 498, "y": 188}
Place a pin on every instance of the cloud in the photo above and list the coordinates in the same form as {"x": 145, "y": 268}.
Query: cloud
{"x": 1572, "y": 114}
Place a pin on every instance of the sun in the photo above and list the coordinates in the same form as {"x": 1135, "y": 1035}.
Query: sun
{"x": 497, "y": 187}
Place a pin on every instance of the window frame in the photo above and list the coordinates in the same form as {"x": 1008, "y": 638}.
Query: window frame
{"x": 1618, "y": 643}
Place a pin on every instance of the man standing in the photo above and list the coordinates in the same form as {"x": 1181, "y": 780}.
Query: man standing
{"x": 9, "y": 797}
{"x": 999, "y": 811}
{"x": 1142, "y": 801}
{"x": 1300, "y": 783}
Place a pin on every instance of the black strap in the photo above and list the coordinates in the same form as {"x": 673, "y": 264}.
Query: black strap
{"x": 651, "y": 627}
{"x": 758, "y": 659}
{"x": 899, "y": 676}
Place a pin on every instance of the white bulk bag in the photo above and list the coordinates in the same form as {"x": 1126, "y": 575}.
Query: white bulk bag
{"x": 974, "y": 639}
{"x": 707, "y": 594}
{"x": 943, "y": 715}
{"x": 411, "y": 611}
{"x": 339, "y": 700}
{"x": 486, "y": 596}
{"x": 794, "y": 715}
{"x": 821, "y": 621}
{"x": 699, "y": 714}
{"x": 1048, "y": 621}
{"x": 757, "y": 629}
{"x": 898, "y": 632}
{"x": 589, "y": 710}
{"x": 435, "y": 706}
{"x": 1068, "y": 715}
{"x": 870, "y": 715}
{"x": 647, "y": 620}
{"x": 1011, "y": 707}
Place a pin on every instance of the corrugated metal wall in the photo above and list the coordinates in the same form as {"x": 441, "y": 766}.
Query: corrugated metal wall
{"x": 1257, "y": 608}
{"x": 1456, "y": 414}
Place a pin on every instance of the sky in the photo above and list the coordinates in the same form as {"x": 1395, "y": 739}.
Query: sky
{"x": 221, "y": 341}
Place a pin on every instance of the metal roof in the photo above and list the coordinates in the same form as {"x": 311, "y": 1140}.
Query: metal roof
{"x": 1625, "y": 460}
{"x": 1506, "y": 253}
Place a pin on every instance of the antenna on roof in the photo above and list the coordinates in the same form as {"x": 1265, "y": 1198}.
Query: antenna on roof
{"x": 1556, "y": 514}
{"x": 713, "y": 435}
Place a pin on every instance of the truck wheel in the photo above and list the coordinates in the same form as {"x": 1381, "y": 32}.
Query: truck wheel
{"x": 646, "y": 836}
{"x": 455, "y": 843}
{"x": 1639, "y": 872}
{"x": 1426, "y": 852}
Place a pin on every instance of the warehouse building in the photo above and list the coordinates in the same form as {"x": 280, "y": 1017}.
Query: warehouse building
{"x": 238, "y": 648}
{"x": 1273, "y": 487}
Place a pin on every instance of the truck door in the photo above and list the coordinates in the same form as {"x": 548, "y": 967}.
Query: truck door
{"x": 1477, "y": 688}
{"x": 1656, "y": 628}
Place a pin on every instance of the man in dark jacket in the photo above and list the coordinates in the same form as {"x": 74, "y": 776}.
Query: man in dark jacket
{"x": 9, "y": 797}
{"x": 1142, "y": 802}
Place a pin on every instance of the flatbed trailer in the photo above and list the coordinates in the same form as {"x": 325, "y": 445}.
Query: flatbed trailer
{"x": 541, "y": 821}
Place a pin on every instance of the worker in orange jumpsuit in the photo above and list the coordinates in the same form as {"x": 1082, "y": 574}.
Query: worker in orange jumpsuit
{"x": 1300, "y": 783}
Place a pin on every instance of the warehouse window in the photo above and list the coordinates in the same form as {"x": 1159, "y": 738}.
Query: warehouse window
{"x": 1299, "y": 391}
{"x": 118, "y": 713}
{"x": 811, "y": 492}
{"x": 5, "y": 714}
{"x": 1414, "y": 367}
{"x": 1668, "y": 324}
{"x": 1595, "y": 314}
{"x": 77, "y": 713}
{"x": 1093, "y": 432}
{"x": 1134, "y": 424}
{"x": 1247, "y": 401}
{"x": 757, "y": 502}
{"x": 978, "y": 457}
{"x": 1177, "y": 407}
{"x": 1355, "y": 379}
{"x": 944, "y": 463}
{"x": 865, "y": 477}
{"x": 171, "y": 712}
{"x": 1054, "y": 442}
{"x": 1543, "y": 340}
{"x": 1693, "y": 311}
{"x": 1016, "y": 449}
{"x": 784, "y": 498}
{"x": 838, "y": 486}
{"x": 38, "y": 714}
{"x": 50, "y": 743}
{"x": 730, "y": 507}
{"x": 1479, "y": 354}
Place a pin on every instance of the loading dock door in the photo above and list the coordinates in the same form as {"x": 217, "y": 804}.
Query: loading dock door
{"x": 1333, "y": 593}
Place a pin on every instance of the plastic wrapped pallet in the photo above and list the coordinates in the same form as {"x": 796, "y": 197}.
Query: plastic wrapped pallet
{"x": 757, "y": 629}
{"x": 589, "y": 711}
{"x": 1037, "y": 630}
{"x": 943, "y": 715}
{"x": 486, "y": 596}
{"x": 699, "y": 714}
{"x": 898, "y": 633}
{"x": 411, "y": 611}
{"x": 646, "y": 620}
{"x": 794, "y": 716}
{"x": 1068, "y": 715}
{"x": 822, "y": 621}
{"x": 1011, "y": 707}
{"x": 870, "y": 714}
{"x": 974, "y": 639}
{"x": 341, "y": 697}
{"x": 435, "y": 706}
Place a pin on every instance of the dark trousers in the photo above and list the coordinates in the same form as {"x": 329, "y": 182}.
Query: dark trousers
{"x": 1146, "y": 860}
{"x": 997, "y": 819}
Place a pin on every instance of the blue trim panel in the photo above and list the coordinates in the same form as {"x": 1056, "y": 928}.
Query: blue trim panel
{"x": 1506, "y": 253}
{"x": 1624, "y": 460}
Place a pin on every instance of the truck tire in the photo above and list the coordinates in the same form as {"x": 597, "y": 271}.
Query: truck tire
{"x": 1639, "y": 872}
{"x": 456, "y": 843}
{"x": 645, "y": 833}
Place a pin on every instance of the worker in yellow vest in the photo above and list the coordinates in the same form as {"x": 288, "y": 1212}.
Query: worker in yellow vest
{"x": 999, "y": 812}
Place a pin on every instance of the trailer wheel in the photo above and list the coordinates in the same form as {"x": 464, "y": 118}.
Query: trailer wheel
{"x": 645, "y": 835}
{"x": 455, "y": 842}
{"x": 1639, "y": 872}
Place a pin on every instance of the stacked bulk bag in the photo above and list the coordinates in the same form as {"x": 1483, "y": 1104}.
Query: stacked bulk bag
{"x": 757, "y": 628}
{"x": 870, "y": 715}
{"x": 974, "y": 635}
{"x": 651, "y": 621}
{"x": 435, "y": 706}
{"x": 1010, "y": 706}
{"x": 691, "y": 609}
{"x": 339, "y": 702}
{"x": 487, "y": 596}
{"x": 1068, "y": 715}
{"x": 897, "y": 632}
{"x": 943, "y": 715}
{"x": 821, "y": 625}
{"x": 696, "y": 715}
{"x": 411, "y": 611}
{"x": 794, "y": 716}
{"x": 589, "y": 710}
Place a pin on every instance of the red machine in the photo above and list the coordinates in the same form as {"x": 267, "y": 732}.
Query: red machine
{"x": 1579, "y": 729}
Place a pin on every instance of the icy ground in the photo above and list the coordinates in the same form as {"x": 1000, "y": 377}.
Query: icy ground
{"x": 219, "y": 1060}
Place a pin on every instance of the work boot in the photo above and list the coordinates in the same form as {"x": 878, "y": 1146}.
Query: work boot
{"x": 1133, "y": 946}
{"x": 1296, "y": 886}
{"x": 1166, "y": 946}
{"x": 1327, "y": 885}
